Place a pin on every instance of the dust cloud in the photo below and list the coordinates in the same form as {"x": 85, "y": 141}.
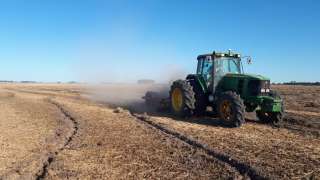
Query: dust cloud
{"x": 111, "y": 66}
{"x": 123, "y": 95}
{"x": 130, "y": 95}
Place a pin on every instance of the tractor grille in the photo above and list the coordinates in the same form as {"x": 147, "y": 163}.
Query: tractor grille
{"x": 259, "y": 88}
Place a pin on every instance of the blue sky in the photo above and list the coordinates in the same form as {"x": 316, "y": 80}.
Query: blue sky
{"x": 64, "y": 40}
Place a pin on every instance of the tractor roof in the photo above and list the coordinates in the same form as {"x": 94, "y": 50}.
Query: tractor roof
{"x": 220, "y": 54}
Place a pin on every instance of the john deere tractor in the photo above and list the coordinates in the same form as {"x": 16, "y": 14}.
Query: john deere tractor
{"x": 221, "y": 84}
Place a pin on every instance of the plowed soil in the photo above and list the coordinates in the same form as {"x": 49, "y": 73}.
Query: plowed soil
{"x": 55, "y": 131}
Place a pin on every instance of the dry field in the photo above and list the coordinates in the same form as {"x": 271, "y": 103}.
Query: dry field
{"x": 56, "y": 131}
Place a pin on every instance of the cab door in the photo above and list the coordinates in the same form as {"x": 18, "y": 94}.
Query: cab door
{"x": 205, "y": 69}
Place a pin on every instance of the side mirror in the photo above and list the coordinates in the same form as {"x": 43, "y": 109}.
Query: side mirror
{"x": 249, "y": 60}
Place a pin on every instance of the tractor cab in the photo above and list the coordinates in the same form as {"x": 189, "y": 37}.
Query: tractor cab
{"x": 212, "y": 67}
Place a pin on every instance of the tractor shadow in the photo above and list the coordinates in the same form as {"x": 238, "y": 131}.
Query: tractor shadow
{"x": 208, "y": 119}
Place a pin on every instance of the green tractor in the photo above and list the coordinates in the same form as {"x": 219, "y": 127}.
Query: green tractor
{"x": 221, "y": 84}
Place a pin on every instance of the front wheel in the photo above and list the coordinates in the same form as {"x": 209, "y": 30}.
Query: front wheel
{"x": 274, "y": 118}
{"x": 231, "y": 109}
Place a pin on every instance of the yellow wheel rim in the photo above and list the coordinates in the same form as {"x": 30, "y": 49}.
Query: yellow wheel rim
{"x": 226, "y": 110}
{"x": 176, "y": 99}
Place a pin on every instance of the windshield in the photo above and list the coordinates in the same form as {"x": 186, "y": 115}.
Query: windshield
{"x": 226, "y": 65}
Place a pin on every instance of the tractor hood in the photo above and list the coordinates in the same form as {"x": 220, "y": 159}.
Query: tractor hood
{"x": 248, "y": 76}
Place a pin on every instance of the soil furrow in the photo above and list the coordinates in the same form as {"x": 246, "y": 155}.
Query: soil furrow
{"x": 44, "y": 170}
{"x": 72, "y": 119}
{"x": 244, "y": 169}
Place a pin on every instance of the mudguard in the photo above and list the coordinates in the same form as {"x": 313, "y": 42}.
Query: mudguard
{"x": 199, "y": 80}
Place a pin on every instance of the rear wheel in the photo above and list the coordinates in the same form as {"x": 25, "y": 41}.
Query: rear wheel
{"x": 182, "y": 98}
{"x": 231, "y": 109}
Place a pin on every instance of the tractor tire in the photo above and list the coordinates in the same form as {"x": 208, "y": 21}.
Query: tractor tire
{"x": 231, "y": 109}
{"x": 277, "y": 118}
{"x": 264, "y": 117}
{"x": 182, "y": 99}
{"x": 152, "y": 99}
{"x": 201, "y": 99}
{"x": 274, "y": 118}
